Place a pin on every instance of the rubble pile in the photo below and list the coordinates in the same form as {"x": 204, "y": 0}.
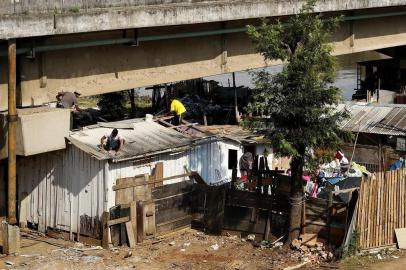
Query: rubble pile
{"x": 314, "y": 251}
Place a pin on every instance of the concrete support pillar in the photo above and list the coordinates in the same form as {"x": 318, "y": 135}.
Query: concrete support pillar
{"x": 12, "y": 129}
{"x": 11, "y": 238}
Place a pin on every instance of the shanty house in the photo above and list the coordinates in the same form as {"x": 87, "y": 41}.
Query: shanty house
{"x": 380, "y": 132}
{"x": 70, "y": 189}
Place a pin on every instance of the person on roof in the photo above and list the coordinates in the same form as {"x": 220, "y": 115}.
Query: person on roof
{"x": 112, "y": 141}
{"x": 178, "y": 110}
{"x": 68, "y": 100}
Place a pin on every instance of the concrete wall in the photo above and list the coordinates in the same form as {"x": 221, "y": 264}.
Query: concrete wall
{"x": 22, "y": 20}
{"x": 39, "y": 130}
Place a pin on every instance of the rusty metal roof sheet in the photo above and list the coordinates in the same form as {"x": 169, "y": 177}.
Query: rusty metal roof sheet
{"x": 378, "y": 119}
{"x": 142, "y": 139}
{"x": 235, "y": 133}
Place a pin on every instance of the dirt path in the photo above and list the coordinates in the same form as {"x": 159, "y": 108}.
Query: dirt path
{"x": 187, "y": 250}
{"x": 395, "y": 264}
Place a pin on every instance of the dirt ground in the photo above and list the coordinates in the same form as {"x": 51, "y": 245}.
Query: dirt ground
{"x": 188, "y": 249}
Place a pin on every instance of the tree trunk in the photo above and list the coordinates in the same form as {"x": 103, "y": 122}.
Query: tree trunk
{"x": 296, "y": 199}
{"x": 132, "y": 101}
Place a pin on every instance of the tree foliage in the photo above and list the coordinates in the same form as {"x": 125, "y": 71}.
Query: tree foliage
{"x": 112, "y": 105}
{"x": 300, "y": 100}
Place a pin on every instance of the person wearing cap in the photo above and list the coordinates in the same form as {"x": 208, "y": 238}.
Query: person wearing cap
{"x": 68, "y": 100}
{"x": 112, "y": 141}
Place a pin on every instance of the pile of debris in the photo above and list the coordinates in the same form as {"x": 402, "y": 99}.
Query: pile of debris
{"x": 312, "y": 250}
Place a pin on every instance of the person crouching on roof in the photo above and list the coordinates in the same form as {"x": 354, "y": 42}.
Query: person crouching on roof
{"x": 112, "y": 141}
{"x": 178, "y": 110}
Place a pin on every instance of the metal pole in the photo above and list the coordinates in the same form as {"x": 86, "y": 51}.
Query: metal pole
{"x": 237, "y": 113}
{"x": 12, "y": 126}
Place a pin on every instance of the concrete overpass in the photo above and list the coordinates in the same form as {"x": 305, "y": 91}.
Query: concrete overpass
{"x": 102, "y": 46}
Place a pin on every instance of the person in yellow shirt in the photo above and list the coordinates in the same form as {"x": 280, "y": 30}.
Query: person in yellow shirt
{"x": 178, "y": 110}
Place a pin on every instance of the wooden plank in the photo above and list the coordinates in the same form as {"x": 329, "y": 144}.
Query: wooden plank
{"x": 388, "y": 208}
{"x": 374, "y": 202}
{"x": 348, "y": 190}
{"x": 309, "y": 239}
{"x": 140, "y": 222}
{"x": 401, "y": 196}
{"x": 391, "y": 210}
{"x": 149, "y": 219}
{"x": 173, "y": 189}
{"x": 128, "y": 185}
{"x": 159, "y": 173}
{"x": 124, "y": 212}
{"x": 106, "y": 230}
{"x": 403, "y": 199}
{"x": 382, "y": 210}
{"x": 118, "y": 221}
{"x": 393, "y": 205}
{"x": 126, "y": 195}
{"x": 169, "y": 214}
{"x": 360, "y": 210}
{"x": 133, "y": 217}
{"x": 130, "y": 234}
{"x": 365, "y": 214}
{"x": 378, "y": 206}
{"x": 369, "y": 222}
{"x": 115, "y": 230}
{"x": 173, "y": 225}
{"x": 359, "y": 214}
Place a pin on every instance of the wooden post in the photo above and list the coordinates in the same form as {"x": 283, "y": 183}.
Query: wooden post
{"x": 140, "y": 222}
{"x": 12, "y": 131}
{"x": 233, "y": 178}
{"x": 329, "y": 208}
{"x": 106, "y": 230}
{"x": 237, "y": 113}
{"x": 133, "y": 217}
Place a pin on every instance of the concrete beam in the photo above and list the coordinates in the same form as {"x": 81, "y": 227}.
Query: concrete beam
{"x": 103, "y": 69}
{"x": 134, "y": 15}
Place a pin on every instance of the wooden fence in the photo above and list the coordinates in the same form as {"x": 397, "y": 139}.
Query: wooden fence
{"x": 381, "y": 208}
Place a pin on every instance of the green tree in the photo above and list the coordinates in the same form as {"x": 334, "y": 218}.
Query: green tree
{"x": 300, "y": 100}
{"x": 112, "y": 105}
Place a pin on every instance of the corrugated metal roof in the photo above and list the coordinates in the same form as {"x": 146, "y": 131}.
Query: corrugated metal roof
{"x": 376, "y": 119}
{"x": 142, "y": 139}
{"x": 234, "y": 132}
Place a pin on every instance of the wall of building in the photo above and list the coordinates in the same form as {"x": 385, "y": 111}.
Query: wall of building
{"x": 60, "y": 188}
{"x": 65, "y": 189}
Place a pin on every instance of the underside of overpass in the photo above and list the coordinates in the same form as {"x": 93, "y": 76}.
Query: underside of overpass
{"x": 106, "y": 61}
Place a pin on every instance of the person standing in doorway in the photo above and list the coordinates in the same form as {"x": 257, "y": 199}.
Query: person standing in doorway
{"x": 245, "y": 164}
{"x": 178, "y": 109}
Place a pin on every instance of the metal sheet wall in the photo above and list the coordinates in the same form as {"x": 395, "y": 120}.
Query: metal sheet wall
{"x": 210, "y": 159}
{"x": 65, "y": 189}
{"x": 61, "y": 188}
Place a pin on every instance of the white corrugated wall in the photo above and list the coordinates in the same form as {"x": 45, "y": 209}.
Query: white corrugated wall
{"x": 210, "y": 159}
{"x": 59, "y": 185}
